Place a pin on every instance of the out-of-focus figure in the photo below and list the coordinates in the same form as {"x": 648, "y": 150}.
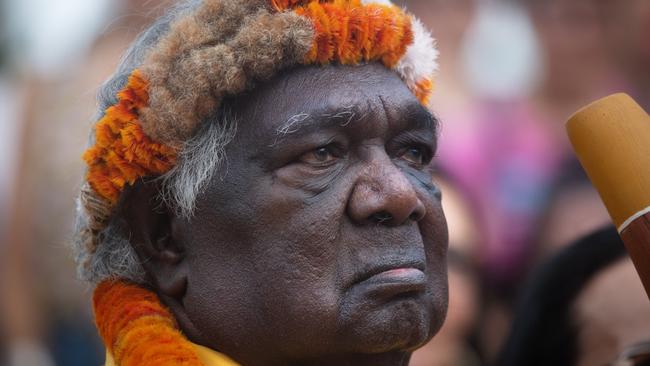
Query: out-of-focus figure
{"x": 49, "y": 312}
{"x": 585, "y": 306}
{"x": 4, "y": 162}
{"x": 613, "y": 315}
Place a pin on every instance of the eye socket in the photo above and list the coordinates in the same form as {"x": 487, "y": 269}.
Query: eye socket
{"x": 416, "y": 155}
{"x": 321, "y": 156}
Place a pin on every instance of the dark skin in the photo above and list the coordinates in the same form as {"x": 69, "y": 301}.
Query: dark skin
{"x": 323, "y": 245}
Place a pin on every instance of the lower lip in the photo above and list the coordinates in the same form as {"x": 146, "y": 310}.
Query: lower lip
{"x": 396, "y": 281}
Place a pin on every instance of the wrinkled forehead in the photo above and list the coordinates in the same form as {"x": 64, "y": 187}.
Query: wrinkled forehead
{"x": 307, "y": 94}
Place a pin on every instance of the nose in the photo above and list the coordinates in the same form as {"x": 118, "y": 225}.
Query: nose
{"x": 383, "y": 195}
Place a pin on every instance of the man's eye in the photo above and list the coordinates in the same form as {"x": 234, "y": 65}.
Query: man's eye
{"x": 416, "y": 156}
{"x": 323, "y": 155}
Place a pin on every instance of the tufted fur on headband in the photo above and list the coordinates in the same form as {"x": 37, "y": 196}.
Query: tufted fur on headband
{"x": 222, "y": 48}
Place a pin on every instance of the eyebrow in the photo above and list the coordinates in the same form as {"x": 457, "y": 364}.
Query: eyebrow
{"x": 303, "y": 123}
{"x": 342, "y": 116}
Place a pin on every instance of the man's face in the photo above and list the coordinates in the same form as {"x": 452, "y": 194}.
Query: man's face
{"x": 323, "y": 234}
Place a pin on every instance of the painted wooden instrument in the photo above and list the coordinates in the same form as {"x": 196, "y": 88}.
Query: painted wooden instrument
{"x": 612, "y": 140}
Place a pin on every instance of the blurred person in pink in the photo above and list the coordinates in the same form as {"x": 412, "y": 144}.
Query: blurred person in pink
{"x": 581, "y": 66}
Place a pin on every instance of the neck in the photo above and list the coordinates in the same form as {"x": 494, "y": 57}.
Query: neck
{"x": 382, "y": 359}
{"x": 266, "y": 357}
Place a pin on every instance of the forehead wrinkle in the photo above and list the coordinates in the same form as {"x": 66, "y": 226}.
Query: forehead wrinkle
{"x": 414, "y": 113}
{"x": 422, "y": 117}
{"x": 386, "y": 114}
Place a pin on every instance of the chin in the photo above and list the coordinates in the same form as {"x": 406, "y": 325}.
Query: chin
{"x": 404, "y": 323}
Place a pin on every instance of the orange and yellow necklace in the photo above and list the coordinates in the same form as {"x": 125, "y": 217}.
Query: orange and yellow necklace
{"x": 139, "y": 331}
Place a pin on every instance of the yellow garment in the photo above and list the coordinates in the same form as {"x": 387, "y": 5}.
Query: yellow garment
{"x": 206, "y": 355}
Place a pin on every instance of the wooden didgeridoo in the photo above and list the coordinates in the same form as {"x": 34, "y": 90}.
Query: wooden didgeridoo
{"x": 612, "y": 140}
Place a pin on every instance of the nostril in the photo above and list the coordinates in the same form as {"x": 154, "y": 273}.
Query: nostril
{"x": 415, "y": 216}
{"x": 418, "y": 212}
{"x": 381, "y": 217}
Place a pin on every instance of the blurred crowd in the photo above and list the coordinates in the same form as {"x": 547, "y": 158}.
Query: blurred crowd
{"x": 511, "y": 72}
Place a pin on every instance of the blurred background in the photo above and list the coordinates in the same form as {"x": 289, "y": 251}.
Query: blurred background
{"x": 511, "y": 72}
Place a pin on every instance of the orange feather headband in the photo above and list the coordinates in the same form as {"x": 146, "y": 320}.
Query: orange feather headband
{"x": 222, "y": 48}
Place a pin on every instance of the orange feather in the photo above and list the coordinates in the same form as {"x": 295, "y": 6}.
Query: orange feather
{"x": 122, "y": 152}
{"x": 350, "y": 33}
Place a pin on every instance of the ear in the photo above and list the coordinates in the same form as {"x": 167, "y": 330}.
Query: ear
{"x": 147, "y": 222}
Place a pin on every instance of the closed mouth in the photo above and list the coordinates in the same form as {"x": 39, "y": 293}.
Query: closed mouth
{"x": 391, "y": 280}
{"x": 388, "y": 267}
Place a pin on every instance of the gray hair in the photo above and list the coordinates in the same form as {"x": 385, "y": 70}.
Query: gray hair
{"x": 199, "y": 158}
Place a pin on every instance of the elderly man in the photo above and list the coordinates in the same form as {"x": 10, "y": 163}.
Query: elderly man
{"x": 262, "y": 168}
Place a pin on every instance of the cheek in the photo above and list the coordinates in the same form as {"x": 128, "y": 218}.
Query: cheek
{"x": 305, "y": 223}
{"x": 301, "y": 250}
{"x": 296, "y": 236}
{"x": 221, "y": 302}
{"x": 301, "y": 300}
